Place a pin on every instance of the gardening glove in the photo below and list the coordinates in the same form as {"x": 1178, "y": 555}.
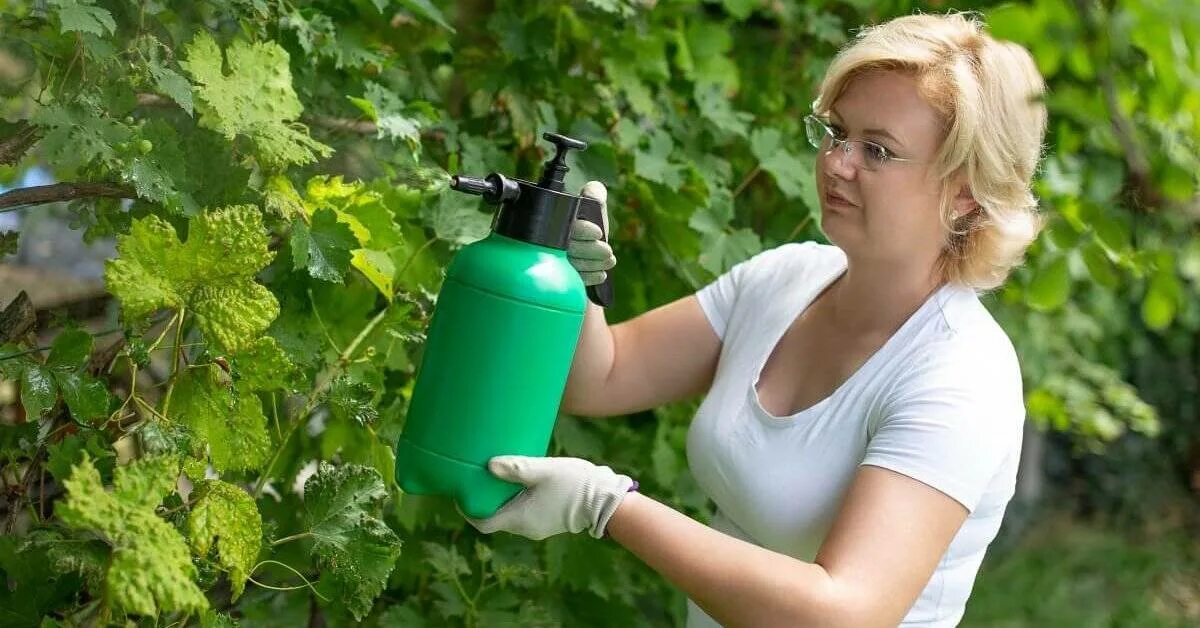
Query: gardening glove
{"x": 561, "y": 495}
{"x": 590, "y": 255}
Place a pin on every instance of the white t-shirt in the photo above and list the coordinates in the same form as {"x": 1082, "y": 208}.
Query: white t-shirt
{"x": 940, "y": 401}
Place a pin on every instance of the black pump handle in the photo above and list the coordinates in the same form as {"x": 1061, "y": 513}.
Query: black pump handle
{"x": 590, "y": 210}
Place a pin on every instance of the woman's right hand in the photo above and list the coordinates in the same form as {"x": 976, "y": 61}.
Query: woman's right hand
{"x": 590, "y": 255}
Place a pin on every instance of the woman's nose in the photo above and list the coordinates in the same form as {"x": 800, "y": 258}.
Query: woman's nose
{"x": 838, "y": 162}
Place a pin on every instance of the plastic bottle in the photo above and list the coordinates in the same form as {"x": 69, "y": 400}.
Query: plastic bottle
{"x": 500, "y": 342}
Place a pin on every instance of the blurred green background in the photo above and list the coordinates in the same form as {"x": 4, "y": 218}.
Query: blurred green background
{"x": 693, "y": 115}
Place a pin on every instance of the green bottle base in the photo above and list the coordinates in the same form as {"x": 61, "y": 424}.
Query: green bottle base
{"x": 479, "y": 494}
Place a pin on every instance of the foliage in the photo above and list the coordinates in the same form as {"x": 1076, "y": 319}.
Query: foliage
{"x": 274, "y": 174}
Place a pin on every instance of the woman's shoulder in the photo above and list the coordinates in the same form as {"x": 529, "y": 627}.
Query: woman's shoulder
{"x": 800, "y": 261}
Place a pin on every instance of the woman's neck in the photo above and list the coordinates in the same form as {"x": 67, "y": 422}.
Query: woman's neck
{"x": 879, "y": 298}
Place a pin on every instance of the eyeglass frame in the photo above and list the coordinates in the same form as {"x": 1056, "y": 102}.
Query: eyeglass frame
{"x": 844, "y": 144}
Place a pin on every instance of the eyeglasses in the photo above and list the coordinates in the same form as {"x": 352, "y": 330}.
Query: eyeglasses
{"x": 824, "y": 138}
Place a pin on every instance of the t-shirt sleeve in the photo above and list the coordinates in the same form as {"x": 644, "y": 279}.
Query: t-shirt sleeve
{"x": 718, "y": 298}
{"x": 950, "y": 422}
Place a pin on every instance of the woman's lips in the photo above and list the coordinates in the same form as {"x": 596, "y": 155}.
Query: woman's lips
{"x": 834, "y": 200}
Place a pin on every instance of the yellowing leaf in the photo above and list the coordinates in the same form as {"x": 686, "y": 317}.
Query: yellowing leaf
{"x": 212, "y": 274}
{"x": 151, "y": 571}
{"x": 225, "y": 518}
{"x": 254, "y": 99}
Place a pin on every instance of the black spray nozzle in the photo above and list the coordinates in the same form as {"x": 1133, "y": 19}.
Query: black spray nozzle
{"x": 556, "y": 168}
{"x": 495, "y": 188}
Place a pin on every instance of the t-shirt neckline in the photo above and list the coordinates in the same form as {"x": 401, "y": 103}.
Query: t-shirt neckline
{"x": 886, "y": 347}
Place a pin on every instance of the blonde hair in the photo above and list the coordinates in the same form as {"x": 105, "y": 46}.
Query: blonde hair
{"x": 988, "y": 93}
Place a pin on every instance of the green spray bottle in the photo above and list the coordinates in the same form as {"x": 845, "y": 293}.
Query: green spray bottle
{"x": 500, "y": 342}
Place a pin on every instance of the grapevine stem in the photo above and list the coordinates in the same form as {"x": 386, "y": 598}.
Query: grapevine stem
{"x": 175, "y": 362}
{"x": 323, "y": 381}
{"x": 288, "y": 539}
{"x": 306, "y": 584}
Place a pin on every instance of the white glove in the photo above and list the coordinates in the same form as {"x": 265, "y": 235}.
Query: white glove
{"x": 590, "y": 255}
{"x": 561, "y": 495}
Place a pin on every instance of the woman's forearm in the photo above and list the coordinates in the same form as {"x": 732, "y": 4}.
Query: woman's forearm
{"x": 591, "y": 365}
{"x": 735, "y": 582}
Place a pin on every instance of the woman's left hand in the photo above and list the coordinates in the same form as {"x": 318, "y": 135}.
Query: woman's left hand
{"x": 561, "y": 495}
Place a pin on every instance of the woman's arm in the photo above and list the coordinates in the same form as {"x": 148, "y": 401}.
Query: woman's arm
{"x": 660, "y": 356}
{"x": 888, "y": 538}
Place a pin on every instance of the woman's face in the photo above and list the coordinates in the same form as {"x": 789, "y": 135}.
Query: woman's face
{"x": 889, "y": 215}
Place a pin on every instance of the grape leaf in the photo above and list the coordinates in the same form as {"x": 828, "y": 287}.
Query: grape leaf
{"x": 351, "y": 400}
{"x": 173, "y": 85}
{"x": 718, "y": 109}
{"x": 354, "y": 548}
{"x": 231, "y": 423}
{"x": 726, "y": 249}
{"x": 264, "y": 366}
{"x": 212, "y": 274}
{"x": 31, "y": 585}
{"x": 255, "y": 99}
{"x": 71, "y": 450}
{"x": 793, "y": 176}
{"x": 151, "y": 570}
{"x": 653, "y": 163}
{"x": 324, "y": 248}
{"x": 83, "y": 16}
{"x": 225, "y": 518}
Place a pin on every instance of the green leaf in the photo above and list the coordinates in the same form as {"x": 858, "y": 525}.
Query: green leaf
{"x": 71, "y": 451}
{"x": 86, "y": 397}
{"x": 792, "y": 175}
{"x": 427, "y": 9}
{"x": 38, "y": 391}
{"x": 355, "y": 550}
{"x": 263, "y": 366}
{"x": 70, "y": 350}
{"x": 1051, "y": 286}
{"x": 254, "y": 99}
{"x": 232, "y": 423}
{"x": 1161, "y": 301}
{"x": 151, "y": 570}
{"x": 324, "y": 249}
{"x": 351, "y": 400}
{"x": 84, "y": 17}
{"x": 225, "y": 518}
{"x": 212, "y": 274}
{"x": 713, "y": 218}
{"x": 456, "y": 218}
{"x": 740, "y": 9}
{"x": 653, "y": 164}
{"x": 718, "y": 109}
{"x": 447, "y": 563}
{"x": 173, "y": 85}
{"x": 30, "y": 585}
{"x": 1099, "y": 266}
{"x": 726, "y": 249}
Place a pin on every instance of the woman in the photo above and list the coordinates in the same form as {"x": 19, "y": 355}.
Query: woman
{"x": 863, "y": 418}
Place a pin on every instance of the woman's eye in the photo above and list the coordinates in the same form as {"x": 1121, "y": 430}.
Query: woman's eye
{"x": 877, "y": 152}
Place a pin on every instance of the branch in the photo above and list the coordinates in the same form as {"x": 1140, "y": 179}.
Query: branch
{"x": 1135, "y": 158}
{"x": 362, "y": 127}
{"x": 12, "y": 148}
{"x": 41, "y": 194}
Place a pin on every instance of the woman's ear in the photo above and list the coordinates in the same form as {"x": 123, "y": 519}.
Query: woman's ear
{"x": 964, "y": 202}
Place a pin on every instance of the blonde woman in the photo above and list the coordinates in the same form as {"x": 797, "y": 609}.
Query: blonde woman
{"x": 862, "y": 423}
